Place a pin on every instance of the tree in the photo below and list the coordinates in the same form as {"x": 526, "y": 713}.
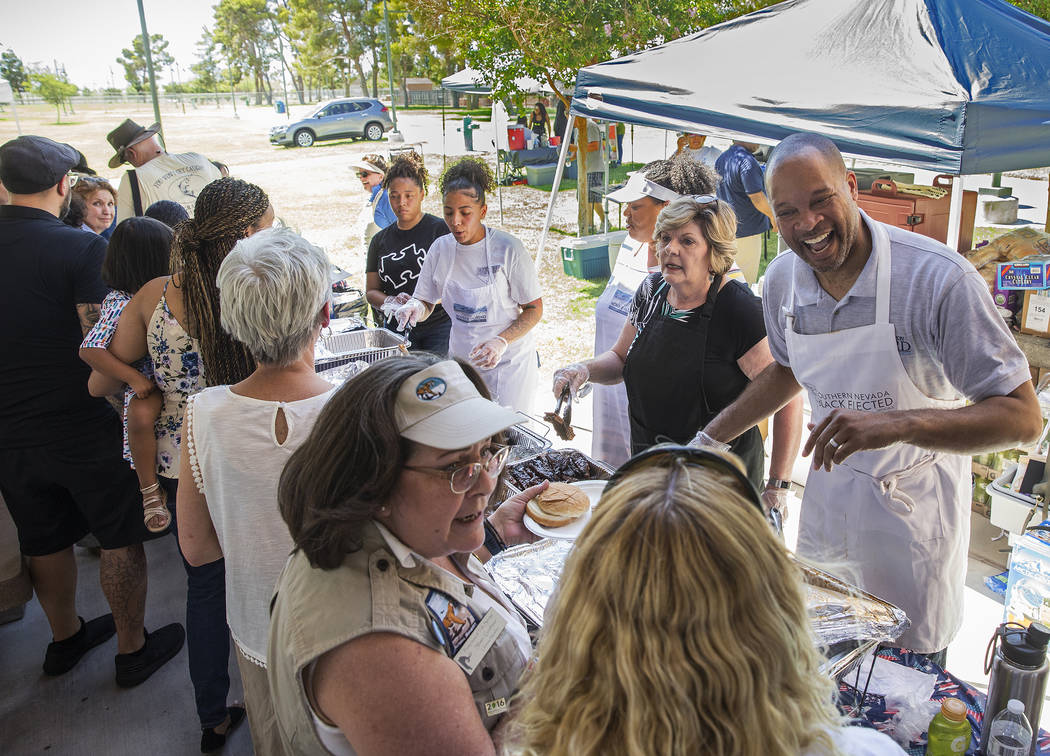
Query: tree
{"x": 11, "y": 68}
{"x": 551, "y": 41}
{"x": 244, "y": 31}
{"x": 134, "y": 60}
{"x": 53, "y": 89}
{"x": 206, "y": 70}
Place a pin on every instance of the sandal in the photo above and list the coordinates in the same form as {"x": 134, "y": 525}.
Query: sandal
{"x": 154, "y": 504}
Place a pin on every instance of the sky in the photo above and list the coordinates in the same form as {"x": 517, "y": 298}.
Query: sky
{"x": 86, "y": 36}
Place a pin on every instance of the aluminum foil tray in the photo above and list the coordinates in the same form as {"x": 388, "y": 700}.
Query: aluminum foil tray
{"x": 847, "y": 621}
{"x": 524, "y": 444}
{"x": 370, "y": 345}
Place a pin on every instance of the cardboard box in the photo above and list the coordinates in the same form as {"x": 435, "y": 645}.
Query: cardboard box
{"x": 1035, "y": 314}
{"x": 1028, "y": 587}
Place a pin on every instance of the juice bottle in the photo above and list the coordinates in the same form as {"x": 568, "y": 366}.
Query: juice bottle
{"x": 949, "y": 732}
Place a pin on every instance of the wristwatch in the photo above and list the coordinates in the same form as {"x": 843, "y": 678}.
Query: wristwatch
{"x": 777, "y": 483}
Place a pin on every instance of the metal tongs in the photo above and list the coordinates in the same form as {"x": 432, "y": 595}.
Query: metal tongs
{"x": 562, "y": 420}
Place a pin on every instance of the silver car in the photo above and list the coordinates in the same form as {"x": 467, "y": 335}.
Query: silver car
{"x": 336, "y": 119}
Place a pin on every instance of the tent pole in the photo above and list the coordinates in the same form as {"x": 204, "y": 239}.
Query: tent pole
{"x": 955, "y": 212}
{"x": 562, "y": 155}
{"x": 495, "y": 144}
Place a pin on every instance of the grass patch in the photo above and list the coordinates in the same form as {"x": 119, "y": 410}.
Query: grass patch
{"x": 587, "y": 293}
{"x": 617, "y": 175}
{"x": 65, "y": 123}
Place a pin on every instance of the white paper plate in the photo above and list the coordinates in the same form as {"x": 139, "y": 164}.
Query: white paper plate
{"x": 593, "y": 489}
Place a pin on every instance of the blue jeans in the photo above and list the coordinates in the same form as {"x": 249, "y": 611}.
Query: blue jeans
{"x": 207, "y": 634}
{"x": 619, "y": 149}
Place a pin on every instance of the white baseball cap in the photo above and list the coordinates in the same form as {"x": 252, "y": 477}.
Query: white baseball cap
{"x": 639, "y": 186}
{"x": 441, "y": 407}
{"x": 366, "y": 165}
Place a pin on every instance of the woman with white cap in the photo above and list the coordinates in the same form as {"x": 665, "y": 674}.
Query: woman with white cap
{"x": 387, "y": 633}
{"x": 646, "y": 193}
{"x": 377, "y": 214}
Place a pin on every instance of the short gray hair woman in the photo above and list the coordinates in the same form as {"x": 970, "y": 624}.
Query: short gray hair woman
{"x": 694, "y": 330}
{"x": 274, "y": 291}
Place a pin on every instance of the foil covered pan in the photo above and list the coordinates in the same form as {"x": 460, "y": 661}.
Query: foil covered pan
{"x": 847, "y": 622}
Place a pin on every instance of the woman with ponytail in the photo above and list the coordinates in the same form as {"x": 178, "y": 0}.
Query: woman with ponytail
{"x": 175, "y": 321}
{"x": 486, "y": 282}
{"x": 396, "y": 253}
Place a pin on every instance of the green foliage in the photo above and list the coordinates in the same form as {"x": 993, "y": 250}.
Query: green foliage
{"x": 53, "y": 89}
{"x": 11, "y": 68}
{"x": 206, "y": 70}
{"x": 552, "y": 40}
{"x": 133, "y": 60}
{"x": 1039, "y": 8}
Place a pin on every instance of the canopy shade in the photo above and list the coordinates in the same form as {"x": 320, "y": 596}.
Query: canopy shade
{"x": 469, "y": 81}
{"x": 954, "y": 86}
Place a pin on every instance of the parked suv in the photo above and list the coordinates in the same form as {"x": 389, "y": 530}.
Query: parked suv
{"x": 336, "y": 119}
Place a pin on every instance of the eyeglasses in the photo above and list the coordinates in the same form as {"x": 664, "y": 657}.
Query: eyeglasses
{"x": 461, "y": 478}
{"x": 362, "y": 174}
{"x": 665, "y": 455}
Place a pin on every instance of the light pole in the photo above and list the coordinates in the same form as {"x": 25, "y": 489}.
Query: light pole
{"x": 395, "y": 135}
{"x": 149, "y": 69}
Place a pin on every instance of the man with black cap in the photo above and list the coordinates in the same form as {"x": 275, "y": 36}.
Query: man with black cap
{"x": 156, "y": 175}
{"x": 61, "y": 471}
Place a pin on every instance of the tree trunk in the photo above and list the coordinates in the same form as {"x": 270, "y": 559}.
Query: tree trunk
{"x": 58, "y": 113}
{"x": 361, "y": 76}
{"x": 375, "y": 73}
{"x": 583, "y": 215}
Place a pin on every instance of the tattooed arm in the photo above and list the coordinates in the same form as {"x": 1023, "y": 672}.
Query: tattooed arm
{"x": 88, "y": 313}
{"x": 531, "y": 312}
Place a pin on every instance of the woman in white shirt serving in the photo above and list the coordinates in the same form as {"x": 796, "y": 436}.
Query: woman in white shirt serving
{"x": 486, "y": 282}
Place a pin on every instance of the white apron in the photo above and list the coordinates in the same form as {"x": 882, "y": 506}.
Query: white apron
{"x": 611, "y": 440}
{"x": 481, "y": 314}
{"x": 897, "y": 516}
{"x": 368, "y": 220}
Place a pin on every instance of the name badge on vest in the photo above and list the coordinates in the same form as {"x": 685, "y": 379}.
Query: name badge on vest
{"x": 465, "y": 314}
{"x": 465, "y": 638}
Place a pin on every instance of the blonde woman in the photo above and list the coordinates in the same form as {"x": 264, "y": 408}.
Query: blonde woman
{"x": 701, "y": 645}
{"x": 693, "y": 341}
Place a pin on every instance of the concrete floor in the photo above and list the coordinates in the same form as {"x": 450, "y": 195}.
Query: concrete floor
{"x": 84, "y": 712}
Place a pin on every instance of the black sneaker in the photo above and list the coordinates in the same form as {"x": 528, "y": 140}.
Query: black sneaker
{"x": 135, "y": 668}
{"x": 63, "y": 655}
{"x": 212, "y": 741}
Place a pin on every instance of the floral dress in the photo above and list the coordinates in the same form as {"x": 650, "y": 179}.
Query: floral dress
{"x": 178, "y": 373}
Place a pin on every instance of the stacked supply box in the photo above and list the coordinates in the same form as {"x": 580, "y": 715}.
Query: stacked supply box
{"x": 1028, "y": 587}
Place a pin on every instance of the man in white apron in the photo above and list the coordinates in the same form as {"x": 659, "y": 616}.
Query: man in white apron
{"x": 891, "y": 333}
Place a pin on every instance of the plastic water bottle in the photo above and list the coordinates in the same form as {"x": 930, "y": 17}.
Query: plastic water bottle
{"x": 1011, "y": 735}
{"x": 949, "y": 731}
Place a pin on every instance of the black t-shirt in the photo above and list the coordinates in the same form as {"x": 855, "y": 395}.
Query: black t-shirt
{"x": 397, "y": 257}
{"x": 48, "y": 269}
{"x": 736, "y": 325}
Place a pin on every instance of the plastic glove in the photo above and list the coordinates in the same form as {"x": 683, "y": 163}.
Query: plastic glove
{"x": 408, "y": 314}
{"x": 487, "y": 354}
{"x": 390, "y": 307}
{"x": 776, "y": 498}
{"x": 574, "y": 376}
{"x": 703, "y": 440}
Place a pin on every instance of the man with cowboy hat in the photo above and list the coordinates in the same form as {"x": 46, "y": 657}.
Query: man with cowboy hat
{"x": 156, "y": 175}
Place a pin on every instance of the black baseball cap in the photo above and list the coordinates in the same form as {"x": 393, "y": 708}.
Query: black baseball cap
{"x": 31, "y": 164}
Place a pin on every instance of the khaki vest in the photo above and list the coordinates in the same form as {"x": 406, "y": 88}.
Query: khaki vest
{"x": 317, "y": 610}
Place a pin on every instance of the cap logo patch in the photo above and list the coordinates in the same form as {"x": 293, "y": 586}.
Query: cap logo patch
{"x": 430, "y": 389}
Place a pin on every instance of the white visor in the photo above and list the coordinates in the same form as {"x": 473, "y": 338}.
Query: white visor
{"x": 639, "y": 186}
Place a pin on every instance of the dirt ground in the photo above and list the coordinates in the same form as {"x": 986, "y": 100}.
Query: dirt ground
{"x": 314, "y": 191}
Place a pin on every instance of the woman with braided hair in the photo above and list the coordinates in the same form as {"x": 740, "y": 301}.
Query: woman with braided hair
{"x": 175, "y": 321}
{"x": 227, "y": 211}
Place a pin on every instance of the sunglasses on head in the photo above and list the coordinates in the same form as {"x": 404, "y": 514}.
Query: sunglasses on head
{"x": 666, "y": 455}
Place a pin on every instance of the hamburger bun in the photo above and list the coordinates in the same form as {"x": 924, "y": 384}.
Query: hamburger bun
{"x": 559, "y": 505}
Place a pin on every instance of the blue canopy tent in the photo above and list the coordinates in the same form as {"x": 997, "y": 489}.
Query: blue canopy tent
{"x": 954, "y": 86}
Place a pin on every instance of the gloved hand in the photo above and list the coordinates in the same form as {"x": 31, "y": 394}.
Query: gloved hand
{"x": 703, "y": 440}
{"x": 574, "y": 376}
{"x": 390, "y": 306}
{"x": 487, "y": 354}
{"x": 776, "y": 498}
{"x": 409, "y": 313}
